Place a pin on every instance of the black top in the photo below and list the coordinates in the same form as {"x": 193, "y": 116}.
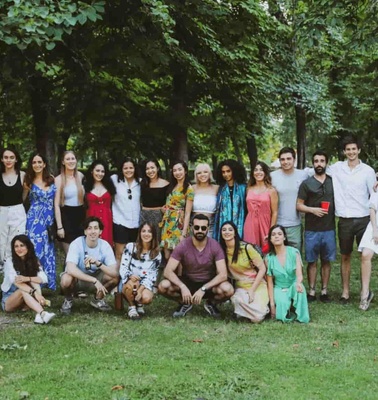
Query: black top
{"x": 313, "y": 192}
{"x": 10, "y": 195}
{"x": 153, "y": 197}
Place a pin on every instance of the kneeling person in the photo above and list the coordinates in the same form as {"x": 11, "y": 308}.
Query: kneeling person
{"x": 204, "y": 272}
{"x": 90, "y": 266}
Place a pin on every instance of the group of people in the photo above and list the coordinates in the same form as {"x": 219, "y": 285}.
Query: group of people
{"x": 230, "y": 240}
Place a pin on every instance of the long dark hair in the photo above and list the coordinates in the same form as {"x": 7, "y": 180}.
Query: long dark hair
{"x": 238, "y": 172}
{"x": 145, "y": 183}
{"x": 47, "y": 178}
{"x": 121, "y": 177}
{"x": 237, "y": 241}
{"x": 267, "y": 177}
{"x": 271, "y": 247}
{"x": 173, "y": 180}
{"x": 154, "y": 249}
{"x": 17, "y": 165}
{"x": 106, "y": 181}
{"x": 30, "y": 265}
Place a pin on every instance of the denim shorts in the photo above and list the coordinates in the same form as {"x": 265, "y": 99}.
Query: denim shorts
{"x": 321, "y": 244}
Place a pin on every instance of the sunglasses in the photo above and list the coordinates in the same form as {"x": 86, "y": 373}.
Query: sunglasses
{"x": 202, "y": 228}
{"x": 129, "y": 193}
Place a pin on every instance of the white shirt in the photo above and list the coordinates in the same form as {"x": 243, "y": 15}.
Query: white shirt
{"x": 352, "y": 189}
{"x": 126, "y": 211}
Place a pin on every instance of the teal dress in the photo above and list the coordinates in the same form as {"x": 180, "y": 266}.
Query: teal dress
{"x": 285, "y": 292}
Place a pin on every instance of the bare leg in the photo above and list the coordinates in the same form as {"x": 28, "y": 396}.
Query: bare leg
{"x": 119, "y": 247}
{"x": 127, "y": 291}
{"x": 345, "y": 274}
{"x": 67, "y": 283}
{"x": 18, "y": 298}
{"x": 326, "y": 273}
{"x": 366, "y": 257}
{"x": 110, "y": 283}
{"x": 65, "y": 247}
{"x": 311, "y": 277}
{"x": 170, "y": 291}
{"x": 222, "y": 292}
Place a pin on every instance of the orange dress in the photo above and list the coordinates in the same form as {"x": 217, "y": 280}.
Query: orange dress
{"x": 101, "y": 207}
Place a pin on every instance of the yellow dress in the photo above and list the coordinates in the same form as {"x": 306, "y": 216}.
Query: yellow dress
{"x": 173, "y": 218}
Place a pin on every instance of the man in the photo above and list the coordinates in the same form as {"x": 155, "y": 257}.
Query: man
{"x": 204, "y": 272}
{"x": 353, "y": 183}
{"x": 315, "y": 199}
{"x": 286, "y": 181}
{"x": 90, "y": 266}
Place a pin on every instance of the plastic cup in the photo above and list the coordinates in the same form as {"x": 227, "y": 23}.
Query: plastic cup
{"x": 325, "y": 205}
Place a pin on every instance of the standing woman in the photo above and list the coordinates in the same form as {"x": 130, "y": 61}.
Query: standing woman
{"x": 99, "y": 192}
{"x": 69, "y": 200}
{"x": 284, "y": 278}
{"x": 177, "y": 208}
{"x": 126, "y": 206}
{"x": 153, "y": 195}
{"x": 231, "y": 196}
{"x": 39, "y": 183}
{"x": 205, "y": 194}
{"x": 247, "y": 268}
{"x": 262, "y": 205}
{"x": 12, "y": 211}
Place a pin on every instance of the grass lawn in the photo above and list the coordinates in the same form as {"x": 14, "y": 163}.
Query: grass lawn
{"x": 90, "y": 355}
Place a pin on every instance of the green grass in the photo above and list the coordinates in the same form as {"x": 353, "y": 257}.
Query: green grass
{"x": 83, "y": 356}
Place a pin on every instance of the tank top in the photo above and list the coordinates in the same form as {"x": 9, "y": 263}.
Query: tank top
{"x": 10, "y": 195}
{"x": 205, "y": 203}
{"x": 153, "y": 197}
{"x": 71, "y": 195}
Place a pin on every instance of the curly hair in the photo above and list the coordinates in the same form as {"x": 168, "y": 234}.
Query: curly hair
{"x": 29, "y": 266}
{"x": 267, "y": 177}
{"x": 238, "y": 172}
{"x": 121, "y": 177}
{"x": 106, "y": 181}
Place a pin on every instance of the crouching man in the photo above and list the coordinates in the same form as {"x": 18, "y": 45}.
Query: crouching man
{"x": 90, "y": 267}
{"x": 204, "y": 272}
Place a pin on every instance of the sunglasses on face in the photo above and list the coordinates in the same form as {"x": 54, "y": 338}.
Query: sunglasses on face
{"x": 202, "y": 228}
{"x": 129, "y": 193}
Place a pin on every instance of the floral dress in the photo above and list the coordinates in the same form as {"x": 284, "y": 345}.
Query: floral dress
{"x": 173, "y": 218}
{"x": 39, "y": 218}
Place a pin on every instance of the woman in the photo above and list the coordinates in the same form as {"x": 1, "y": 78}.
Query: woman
{"x": 231, "y": 196}
{"x": 205, "y": 194}
{"x": 153, "y": 195}
{"x": 12, "y": 211}
{"x": 139, "y": 269}
{"x": 22, "y": 278}
{"x": 247, "y": 268}
{"x": 262, "y": 205}
{"x": 284, "y": 278}
{"x": 177, "y": 208}
{"x": 69, "y": 200}
{"x": 39, "y": 183}
{"x": 126, "y": 206}
{"x": 99, "y": 191}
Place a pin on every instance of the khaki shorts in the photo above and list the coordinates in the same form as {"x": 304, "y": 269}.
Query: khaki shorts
{"x": 82, "y": 286}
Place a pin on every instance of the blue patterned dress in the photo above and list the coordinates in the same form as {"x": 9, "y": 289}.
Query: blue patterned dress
{"x": 39, "y": 217}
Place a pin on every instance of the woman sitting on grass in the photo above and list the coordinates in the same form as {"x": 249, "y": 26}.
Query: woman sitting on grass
{"x": 22, "y": 278}
{"x": 139, "y": 269}
{"x": 247, "y": 268}
{"x": 284, "y": 277}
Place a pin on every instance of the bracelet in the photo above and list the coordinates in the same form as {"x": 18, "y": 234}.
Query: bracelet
{"x": 32, "y": 291}
{"x": 99, "y": 265}
{"x": 59, "y": 229}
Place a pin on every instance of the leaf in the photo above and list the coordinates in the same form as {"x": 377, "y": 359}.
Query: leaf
{"x": 335, "y": 344}
{"x": 197, "y": 341}
{"x": 118, "y": 387}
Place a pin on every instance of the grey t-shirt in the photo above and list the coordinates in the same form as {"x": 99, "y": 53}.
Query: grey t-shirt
{"x": 287, "y": 186}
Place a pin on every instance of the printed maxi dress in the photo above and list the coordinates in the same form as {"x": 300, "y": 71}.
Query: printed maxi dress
{"x": 38, "y": 219}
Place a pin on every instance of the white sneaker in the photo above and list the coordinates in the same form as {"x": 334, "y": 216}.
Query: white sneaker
{"x": 140, "y": 309}
{"x": 47, "y": 316}
{"x": 132, "y": 313}
{"x": 38, "y": 319}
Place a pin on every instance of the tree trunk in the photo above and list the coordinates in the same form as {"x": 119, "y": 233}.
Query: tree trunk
{"x": 300, "y": 116}
{"x": 214, "y": 160}
{"x": 252, "y": 151}
{"x": 237, "y": 149}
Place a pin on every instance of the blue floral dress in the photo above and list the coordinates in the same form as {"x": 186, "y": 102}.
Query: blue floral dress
{"x": 38, "y": 219}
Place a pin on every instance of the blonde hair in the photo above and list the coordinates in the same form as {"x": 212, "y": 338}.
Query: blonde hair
{"x": 79, "y": 184}
{"x": 207, "y": 167}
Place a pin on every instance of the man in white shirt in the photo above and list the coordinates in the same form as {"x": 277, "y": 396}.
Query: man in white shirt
{"x": 353, "y": 183}
{"x": 287, "y": 180}
{"x": 90, "y": 266}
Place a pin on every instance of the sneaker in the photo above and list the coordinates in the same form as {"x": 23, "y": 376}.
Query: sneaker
{"x": 324, "y": 298}
{"x": 182, "y": 310}
{"x": 311, "y": 298}
{"x": 133, "y": 313}
{"x": 140, "y": 309}
{"x": 100, "y": 304}
{"x": 212, "y": 310}
{"x": 66, "y": 306}
{"x": 47, "y": 316}
{"x": 364, "y": 304}
{"x": 38, "y": 319}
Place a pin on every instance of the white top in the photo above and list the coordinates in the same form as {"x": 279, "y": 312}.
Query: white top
{"x": 287, "y": 186}
{"x": 10, "y": 275}
{"x": 71, "y": 195}
{"x": 352, "y": 189}
{"x": 126, "y": 211}
{"x": 205, "y": 203}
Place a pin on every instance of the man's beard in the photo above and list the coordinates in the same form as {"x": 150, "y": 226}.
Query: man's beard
{"x": 320, "y": 170}
{"x": 200, "y": 236}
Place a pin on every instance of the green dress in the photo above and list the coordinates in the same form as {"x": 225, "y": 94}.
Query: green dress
{"x": 285, "y": 292}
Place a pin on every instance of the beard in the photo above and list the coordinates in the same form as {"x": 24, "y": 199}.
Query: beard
{"x": 200, "y": 236}
{"x": 320, "y": 170}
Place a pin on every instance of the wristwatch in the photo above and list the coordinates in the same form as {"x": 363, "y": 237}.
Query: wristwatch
{"x": 203, "y": 288}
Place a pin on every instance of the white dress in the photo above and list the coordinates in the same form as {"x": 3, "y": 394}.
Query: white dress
{"x": 367, "y": 240}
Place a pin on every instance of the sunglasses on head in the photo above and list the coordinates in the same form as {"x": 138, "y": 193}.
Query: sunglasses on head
{"x": 202, "y": 228}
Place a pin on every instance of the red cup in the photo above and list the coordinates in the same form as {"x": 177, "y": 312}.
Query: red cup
{"x": 325, "y": 205}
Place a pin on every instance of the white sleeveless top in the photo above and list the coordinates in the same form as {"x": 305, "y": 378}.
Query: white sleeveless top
{"x": 71, "y": 195}
{"x": 204, "y": 203}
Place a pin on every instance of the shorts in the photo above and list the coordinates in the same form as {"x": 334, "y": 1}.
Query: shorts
{"x": 294, "y": 236}
{"x": 72, "y": 222}
{"x": 348, "y": 229}
{"x": 194, "y": 286}
{"x": 321, "y": 244}
{"x": 82, "y": 286}
{"x": 124, "y": 235}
